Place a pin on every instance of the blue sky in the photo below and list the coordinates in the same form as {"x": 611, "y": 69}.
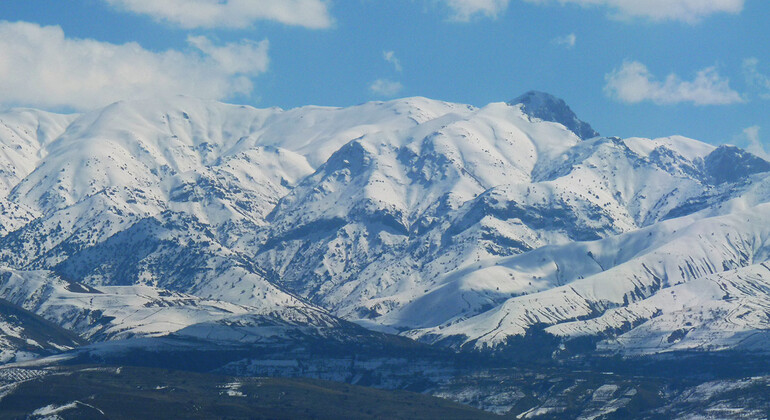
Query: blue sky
{"x": 699, "y": 68}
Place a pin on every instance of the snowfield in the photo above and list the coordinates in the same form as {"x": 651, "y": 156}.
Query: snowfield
{"x": 442, "y": 222}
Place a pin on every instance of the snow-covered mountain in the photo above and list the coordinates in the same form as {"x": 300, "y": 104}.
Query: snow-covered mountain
{"x": 446, "y": 223}
{"x": 25, "y": 336}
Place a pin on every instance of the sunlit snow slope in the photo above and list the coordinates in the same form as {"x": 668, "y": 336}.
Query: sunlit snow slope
{"x": 443, "y": 222}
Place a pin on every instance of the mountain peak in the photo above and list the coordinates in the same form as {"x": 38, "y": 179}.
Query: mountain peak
{"x": 550, "y": 108}
{"x": 730, "y": 164}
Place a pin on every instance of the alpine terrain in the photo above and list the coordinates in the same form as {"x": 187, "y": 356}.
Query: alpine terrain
{"x": 484, "y": 255}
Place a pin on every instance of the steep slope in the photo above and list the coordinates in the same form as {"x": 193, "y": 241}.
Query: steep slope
{"x": 395, "y": 266}
{"x": 693, "y": 282}
{"x": 550, "y": 108}
{"x": 123, "y": 319}
{"x": 201, "y": 170}
{"x": 444, "y": 222}
{"x": 120, "y": 312}
{"x": 24, "y": 137}
{"x": 24, "y": 335}
{"x": 109, "y": 312}
{"x": 375, "y": 198}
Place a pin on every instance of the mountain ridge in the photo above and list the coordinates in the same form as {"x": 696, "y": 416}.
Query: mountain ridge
{"x": 414, "y": 216}
{"x": 547, "y": 107}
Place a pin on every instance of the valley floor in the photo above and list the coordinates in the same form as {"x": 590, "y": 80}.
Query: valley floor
{"x": 685, "y": 386}
{"x": 93, "y": 392}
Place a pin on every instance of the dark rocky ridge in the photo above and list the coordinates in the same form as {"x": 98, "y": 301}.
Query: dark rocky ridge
{"x": 550, "y": 108}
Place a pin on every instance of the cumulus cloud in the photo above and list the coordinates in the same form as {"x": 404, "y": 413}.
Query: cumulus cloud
{"x": 391, "y": 58}
{"x": 633, "y": 83}
{"x": 755, "y": 78}
{"x": 189, "y": 14}
{"x": 690, "y": 11}
{"x": 41, "y": 67}
{"x": 385, "y": 87}
{"x": 464, "y": 10}
{"x": 568, "y": 41}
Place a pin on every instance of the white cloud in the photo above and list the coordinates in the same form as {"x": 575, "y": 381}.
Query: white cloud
{"x": 749, "y": 140}
{"x": 634, "y": 83}
{"x": 689, "y": 11}
{"x": 568, "y": 41}
{"x": 464, "y": 10}
{"x": 41, "y": 67}
{"x": 312, "y": 14}
{"x": 385, "y": 87}
{"x": 391, "y": 58}
{"x": 246, "y": 57}
{"x": 755, "y": 78}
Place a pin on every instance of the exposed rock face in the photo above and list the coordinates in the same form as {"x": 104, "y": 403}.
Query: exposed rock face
{"x": 550, "y": 108}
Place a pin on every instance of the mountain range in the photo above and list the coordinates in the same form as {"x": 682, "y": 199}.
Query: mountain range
{"x": 463, "y": 228}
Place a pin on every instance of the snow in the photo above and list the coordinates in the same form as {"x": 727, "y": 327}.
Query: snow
{"x": 232, "y": 389}
{"x": 435, "y": 219}
{"x": 690, "y": 149}
{"x": 53, "y": 409}
{"x": 115, "y": 312}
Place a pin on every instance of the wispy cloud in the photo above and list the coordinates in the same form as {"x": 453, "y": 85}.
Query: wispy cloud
{"x": 42, "y": 67}
{"x": 749, "y": 139}
{"x": 245, "y": 57}
{"x": 385, "y": 87}
{"x": 633, "y": 83}
{"x": 189, "y": 14}
{"x": 464, "y": 10}
{"x": 690, "y": 11}
{"x": 755, "y": 78}
{"x": 391, "y": 58}
{"x": 568, "y": 41}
